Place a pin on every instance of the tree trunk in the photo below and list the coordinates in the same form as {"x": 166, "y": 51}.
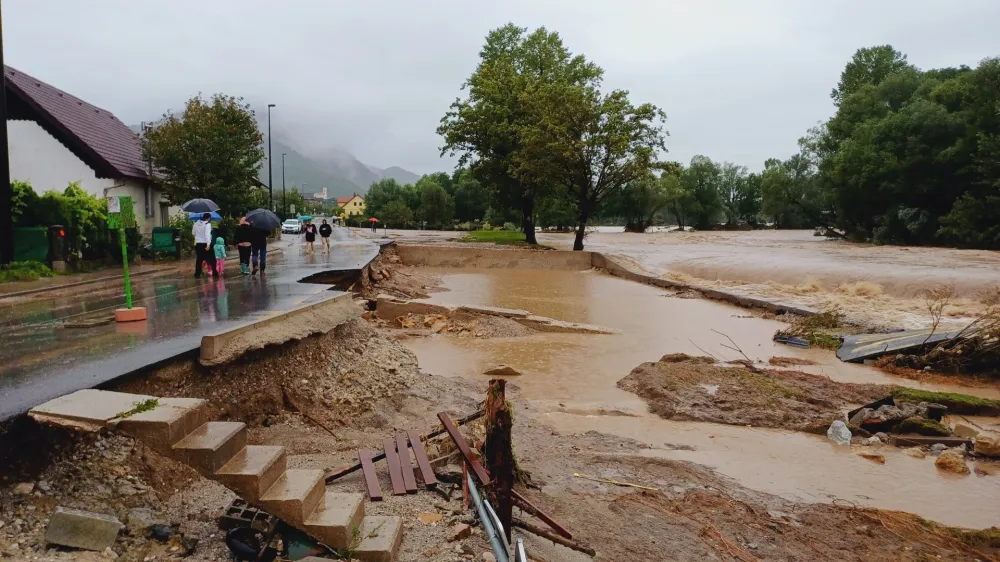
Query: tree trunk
{"x": 527, "y": 219}
{"x": 499, "y": 453}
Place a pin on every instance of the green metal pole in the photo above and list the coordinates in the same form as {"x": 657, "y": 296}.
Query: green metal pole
{"x": 128, "y": 284}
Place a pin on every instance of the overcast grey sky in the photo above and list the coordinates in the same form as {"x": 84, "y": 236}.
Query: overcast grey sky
{"x": 740, "y": 80}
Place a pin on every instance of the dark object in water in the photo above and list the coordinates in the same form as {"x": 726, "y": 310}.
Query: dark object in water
{"x": 791, "y": 340}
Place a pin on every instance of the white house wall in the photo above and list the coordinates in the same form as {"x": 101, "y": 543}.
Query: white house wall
{"x": 38, "y": 158}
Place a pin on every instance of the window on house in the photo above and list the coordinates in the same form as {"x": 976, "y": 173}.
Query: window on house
{"x": 164, "y": 214}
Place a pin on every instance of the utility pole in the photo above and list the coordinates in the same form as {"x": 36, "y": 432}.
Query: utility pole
{"x": 6, "y": 191}
{"x": 284, "y": 209}
{"x": 270, "y": 180}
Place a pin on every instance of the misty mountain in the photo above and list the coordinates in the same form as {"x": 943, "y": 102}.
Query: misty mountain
{"x": 395, "y": 172}
{"x": 337, "y": 170}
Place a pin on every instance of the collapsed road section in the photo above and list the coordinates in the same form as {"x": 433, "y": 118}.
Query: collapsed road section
{"x": 47, "y": 355}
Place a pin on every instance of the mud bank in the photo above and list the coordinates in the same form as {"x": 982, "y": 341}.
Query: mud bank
{"x": 680, "y": 387}
{"x": 454, "y": 256}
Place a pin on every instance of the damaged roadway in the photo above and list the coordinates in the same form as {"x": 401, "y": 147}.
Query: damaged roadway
{"x": 42, "y": 359}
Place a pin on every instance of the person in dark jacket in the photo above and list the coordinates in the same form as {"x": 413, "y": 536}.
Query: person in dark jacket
{"x": 244, "y": 234}
{"x": 258, "y": 248}
{"x": 310, "y": 231}
{"x": 325, "y": 230}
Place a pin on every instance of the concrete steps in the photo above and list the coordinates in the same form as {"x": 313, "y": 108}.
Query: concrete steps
{"x": 180, "y": 428}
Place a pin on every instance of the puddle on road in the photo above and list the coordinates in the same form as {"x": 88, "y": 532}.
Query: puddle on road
{"x": 574, "y": 376}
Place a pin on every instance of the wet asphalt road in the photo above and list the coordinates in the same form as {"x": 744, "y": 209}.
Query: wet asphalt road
{"x": 42, "y": 357}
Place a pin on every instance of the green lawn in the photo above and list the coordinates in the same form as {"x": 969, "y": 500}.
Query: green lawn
{"x": 501, "y": 237}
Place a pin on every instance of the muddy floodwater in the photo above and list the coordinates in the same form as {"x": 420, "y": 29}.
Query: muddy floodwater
{"x": 572, "y": 379}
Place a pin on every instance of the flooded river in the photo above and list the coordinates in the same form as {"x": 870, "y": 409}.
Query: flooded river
{"x": 573, "y": 378}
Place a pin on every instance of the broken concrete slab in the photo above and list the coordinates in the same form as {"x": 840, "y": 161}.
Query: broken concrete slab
{"x": 388, "y": 308}
{"x": 543, "y": 324}
{"x": 494, "y": 311}
{"x": 866, "y": 346}
{"x": 82, "y": 529}
{"x": 89, "y": 408}
{"x": 502, "y": 371}
{"x": 924, "y": 440}
{"x": 988, "y": 444}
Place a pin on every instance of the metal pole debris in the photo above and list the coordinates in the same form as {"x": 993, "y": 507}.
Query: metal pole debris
{"x": 491, "y": 531}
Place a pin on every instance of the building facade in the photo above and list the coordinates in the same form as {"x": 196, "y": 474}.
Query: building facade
{"x": 353, "y": 205}
{"x": 56, "y": 139}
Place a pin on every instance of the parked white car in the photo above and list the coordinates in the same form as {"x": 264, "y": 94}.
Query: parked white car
{"x": 291, "y": 226}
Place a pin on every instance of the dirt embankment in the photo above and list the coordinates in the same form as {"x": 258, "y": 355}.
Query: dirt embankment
{"x": 682, "y": 387}
{"x": 350, "y": 372}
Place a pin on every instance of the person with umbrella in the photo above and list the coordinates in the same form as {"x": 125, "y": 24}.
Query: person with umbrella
{"x": 244, "y": 235}
{"x": 202, "y": 231}
{"x": 374, "y": 222}
{"x": 262, "y": 221}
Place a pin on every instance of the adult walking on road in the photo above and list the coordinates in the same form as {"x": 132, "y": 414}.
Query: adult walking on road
{"x": 202, "y": 231}
{"x": 310, "y": 231}
{"x": 244, "y": 234}
{"x": 325, "y": 230}
{"x": 258, "y": 250}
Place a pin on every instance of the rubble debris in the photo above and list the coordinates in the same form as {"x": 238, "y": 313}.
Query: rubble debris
{"x": 779, "y": 361}
{"x": 812, "y": 330}
{"x": 460, "y": 531}
{"x": 965, "y": 431}
{"x": 428, "y": 518}
{"x": 988, "y": 445}
{"x": 838, "y": 433}
{"x": 916, "y": 452}
{"x": 952, "y": 460}
{"x": 24, "y": 488}
{"x": 923, "y": 426}
{"x": 926, "y": 440}
{"x": 870, "y": 454}
{"x": 76, "y": 528}
{"x": 502, "y": 371}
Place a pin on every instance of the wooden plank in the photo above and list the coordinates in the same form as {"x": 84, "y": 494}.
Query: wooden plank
{"x": 371, "y": 478}
{"x": 426, "y": 472}
{"x": 484, "y": 477}
{"x": 463, "y": 448}
{"x": 405, "y": 465}
{"x": 395, "y": 473}
{"x": 333, "y": 475}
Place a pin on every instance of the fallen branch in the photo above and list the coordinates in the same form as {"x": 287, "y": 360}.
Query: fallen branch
{"x": 535, "y": 530}
{"x": 737, "y": 348}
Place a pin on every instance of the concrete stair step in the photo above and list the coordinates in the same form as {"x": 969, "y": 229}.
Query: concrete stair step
{"x": 210, "y": 446}
{"x": 334, "y": 520}
{"x": 169, "y": 422}
{"x": 380, "y": 538}
{"x": 253, "y": 470}
{"x": 295, "y": 495}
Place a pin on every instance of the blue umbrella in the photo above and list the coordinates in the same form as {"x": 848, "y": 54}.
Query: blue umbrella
{"x": 197, "y": 216}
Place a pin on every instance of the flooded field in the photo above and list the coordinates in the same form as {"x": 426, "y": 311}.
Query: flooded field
{"x": 572, "y": 379}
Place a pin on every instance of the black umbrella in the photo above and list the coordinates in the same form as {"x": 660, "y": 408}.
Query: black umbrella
{"x": 199, "y": 206}
{"x": 263, "y": 219}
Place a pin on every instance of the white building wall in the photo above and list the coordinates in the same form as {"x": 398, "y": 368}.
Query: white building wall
{"x": 38, "y": 158}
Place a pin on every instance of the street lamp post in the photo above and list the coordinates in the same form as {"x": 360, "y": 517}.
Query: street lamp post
{"x": 270, "y": 180}
{"x": 284, "y": 210}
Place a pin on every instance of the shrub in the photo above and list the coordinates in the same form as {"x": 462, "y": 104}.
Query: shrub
{"x": 511, "y": 227}
{"x": 24, "y": 271}
{"x": 181, "y": 222}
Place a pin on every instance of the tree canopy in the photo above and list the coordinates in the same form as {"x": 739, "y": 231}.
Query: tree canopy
{"x": 213, "y": 149}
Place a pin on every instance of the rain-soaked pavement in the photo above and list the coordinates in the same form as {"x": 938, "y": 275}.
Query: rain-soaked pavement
{"x": 42, "y": 358}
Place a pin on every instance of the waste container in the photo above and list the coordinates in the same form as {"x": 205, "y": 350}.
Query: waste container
{"x": 167, "y": 240}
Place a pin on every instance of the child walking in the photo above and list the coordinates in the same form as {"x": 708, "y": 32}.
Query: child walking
{"x": 220, "y": 255}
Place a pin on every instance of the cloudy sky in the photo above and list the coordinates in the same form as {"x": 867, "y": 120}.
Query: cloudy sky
{"x": 740, "y": 80}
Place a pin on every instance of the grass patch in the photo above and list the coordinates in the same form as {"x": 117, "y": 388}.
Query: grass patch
{"x": 923, "y": 426}
{"x": 816, "y": 328}
{"x": 769, "y": 386}
{"x": 957, "y": 403}
{"x": 24, "y": 271}
{"x": 500, "y": 237}
{"x": 983, "y": 538}
{"x": 144, "y": 406}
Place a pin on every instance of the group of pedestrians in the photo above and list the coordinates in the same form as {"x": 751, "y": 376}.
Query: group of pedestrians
{"x": 324, "y": 230}
{"x": 210, "y": 255}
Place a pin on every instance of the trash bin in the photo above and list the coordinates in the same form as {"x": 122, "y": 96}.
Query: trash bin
{"x": 167, "y": 240}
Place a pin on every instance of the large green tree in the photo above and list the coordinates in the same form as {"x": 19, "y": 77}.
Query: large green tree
{"x": 732, "y": 185}
{"x": 213, "y": 149}
{"x": 869, "y": 66}
{"x": 380, "y": 194}
{"x": 396, "y": 214}
{"x": 471, "y": 198}
{"x": 437, "y": 208}
{"x": 702, "y": 180}
{"x": 486, "y": 127}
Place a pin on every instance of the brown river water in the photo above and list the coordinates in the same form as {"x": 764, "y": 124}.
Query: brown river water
{"x": 572, "y": 377}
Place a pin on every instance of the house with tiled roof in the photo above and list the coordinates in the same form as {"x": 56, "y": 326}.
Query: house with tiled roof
{"x": 353, "y": 205}
{"x": 56, "y": 138}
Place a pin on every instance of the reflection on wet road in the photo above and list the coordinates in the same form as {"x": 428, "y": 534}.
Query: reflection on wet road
{"x": 42, "y": 358}
{"x": 573, "y": 377}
